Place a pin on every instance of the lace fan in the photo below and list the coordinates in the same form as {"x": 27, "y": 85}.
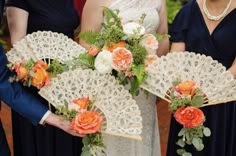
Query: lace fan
{"x": 113, "y": 101}
{"x": 43, "y": 45}
{"x": 216, "y": 82}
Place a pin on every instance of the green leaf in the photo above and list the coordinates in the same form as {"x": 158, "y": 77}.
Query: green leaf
{"x": 180, "y": 151}
{"x": 134, "y": 86}
{"x": 197, "y": 101}
{"x": 31, "y": 73}
{"x": 86, "y": 140}
{"x": 182, "y": 132}
{"x": 176, "y": 82}
{"x": 197, "y": 143}
{"x": 111, "y": 14}
{"x": 201, "y": 147}
{"x": 187, "y": 154}
{"x": 87, "y": 60}
{"x": 180, "y": 142}
{"x": 86, "y": 152}
{"x": 207, "y": 132}
{"x": 89, "y": 37}
{"x": 139, "y": 72}
{"x": 187, "y": 134}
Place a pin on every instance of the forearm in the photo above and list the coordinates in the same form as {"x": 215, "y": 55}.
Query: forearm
{"x": 163, "y": 48}
{"x": 232, "y": 69}
{"x": 17, "y": 22}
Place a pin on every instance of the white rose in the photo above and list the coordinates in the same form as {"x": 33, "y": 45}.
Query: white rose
{"x": 133, "y": 28}
{"x": 103, "y": 62}
{"x": 150, "y": 43}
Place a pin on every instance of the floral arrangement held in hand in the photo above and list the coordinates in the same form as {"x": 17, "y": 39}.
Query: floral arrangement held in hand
{"x": 122, "y": 49}
{"x": 186, "y": 98}
{"x": 86, "y": 121}
{"x": 36, "y": 74}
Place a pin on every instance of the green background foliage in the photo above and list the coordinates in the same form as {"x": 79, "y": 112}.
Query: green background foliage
{"x": 173, "y": 6}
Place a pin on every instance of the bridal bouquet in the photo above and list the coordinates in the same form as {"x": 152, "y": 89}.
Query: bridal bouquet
{"x": 34, "y": 73}
{"x": 186, "y": 98}
{"x": 122, "y": 49}
{"x": 86, "y": 121}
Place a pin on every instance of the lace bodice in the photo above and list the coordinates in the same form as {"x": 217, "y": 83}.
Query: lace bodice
{"x": 133, "y": 10}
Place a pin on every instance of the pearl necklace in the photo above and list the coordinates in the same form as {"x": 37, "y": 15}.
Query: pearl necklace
{"x": 215, "y": 18}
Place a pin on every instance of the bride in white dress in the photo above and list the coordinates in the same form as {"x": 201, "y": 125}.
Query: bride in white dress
{"x": 155, "y": 21}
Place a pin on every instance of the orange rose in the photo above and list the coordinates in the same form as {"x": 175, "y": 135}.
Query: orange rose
{"x": 82, "y": 102}
{"x": 114, "y": 46}
{"x": 189, "y": 117}
{"x": 41, "y": 64}
{"x": 87, "y": 122}
{"x": 40, "y": 77}
{"x": 93, "y": 51}
{"x": 122, "y": 59}
{"x": 21, "y": 72}
{"x": 186, "y": 88}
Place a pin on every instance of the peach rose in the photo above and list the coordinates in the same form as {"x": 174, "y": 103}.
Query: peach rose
{"x": 150, "y": 59}
{"x": 82, "y": 102}
{"x": 121, "y": 59}
{"x": 40, "y": 77}
{"x": 186, "y": 88}
{"x": 87, "y": 122}
{"x": 114, "y": 46}
{"x": 150, "y": 43}
{"x": 21, "y": 72}
{"x": 189, "y": 117}
{"x": 93, "y": 51}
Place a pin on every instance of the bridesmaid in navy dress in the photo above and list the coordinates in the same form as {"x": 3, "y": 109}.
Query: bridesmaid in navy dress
{"x": 27, "y": 16}
{"x": 193, "y": 31}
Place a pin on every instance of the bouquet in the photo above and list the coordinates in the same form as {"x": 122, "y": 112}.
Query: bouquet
{"x": 36, "y": 73}
{"x": 122, "y": 49}
{"x": 42, "y": 55}
{"x": 86, "y": 121}
{"x": 186, "y": 98}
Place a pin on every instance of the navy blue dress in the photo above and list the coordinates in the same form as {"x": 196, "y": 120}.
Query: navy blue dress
{"x": 221, "y": 45}
{"x": 29, "y": 140}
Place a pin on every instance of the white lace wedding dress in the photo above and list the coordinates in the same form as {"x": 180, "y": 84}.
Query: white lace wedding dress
{"x": 150, "y": 144}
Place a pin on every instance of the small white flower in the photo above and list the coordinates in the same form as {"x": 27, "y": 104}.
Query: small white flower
{"x": 150, "y": 43}
{"x": 134, "y": 29}
{"x": 103, "y": 62}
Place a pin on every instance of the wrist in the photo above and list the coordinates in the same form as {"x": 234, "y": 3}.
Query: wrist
{"x": 53, "y": 119}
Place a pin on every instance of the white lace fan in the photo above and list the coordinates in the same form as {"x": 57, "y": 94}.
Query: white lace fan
{"x": 122, "y": 114}
{"x": 217, "y": 83}
{"x": 43, "y": 45}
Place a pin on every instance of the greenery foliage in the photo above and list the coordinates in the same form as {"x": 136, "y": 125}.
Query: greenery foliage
{"x": 173, "y": 7}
